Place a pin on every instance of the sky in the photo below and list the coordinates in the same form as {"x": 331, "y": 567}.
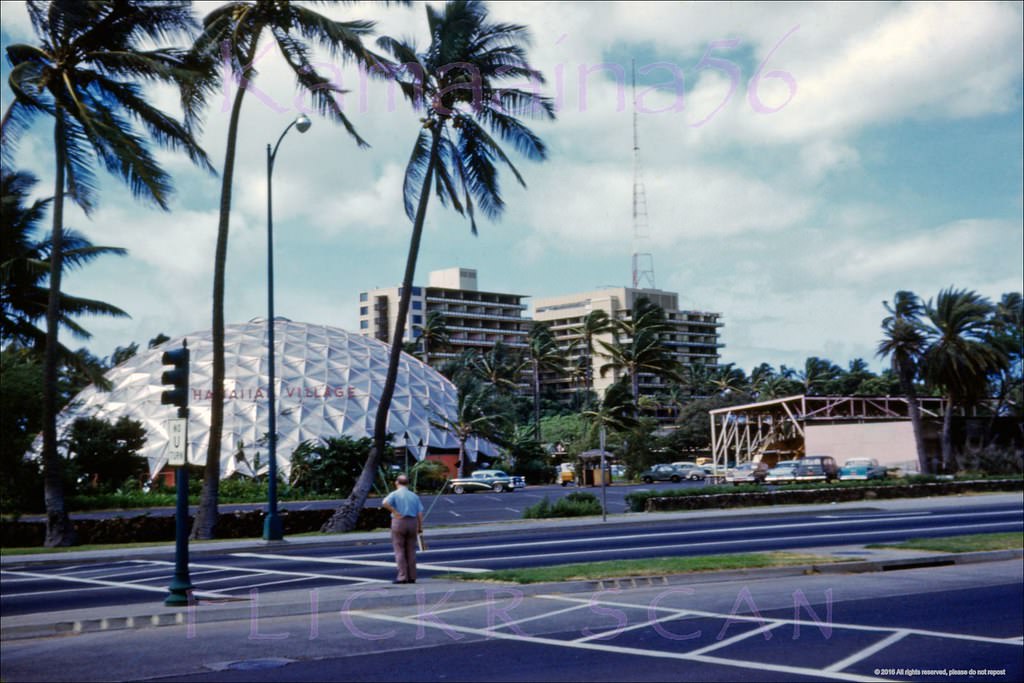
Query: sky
{"x": 802, "y": 162}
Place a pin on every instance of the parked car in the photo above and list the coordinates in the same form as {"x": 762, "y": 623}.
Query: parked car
{"x": 783, "y": 473}
{"x": 484, "y": 480}
{"x": 862, "y": 468}
{"x": 694, "y": 473}
{"x": 663, "y": 473}
{"x": 684, "y": 464}
{"x": 817, "y": 468}
{"x": 747, "y": 473}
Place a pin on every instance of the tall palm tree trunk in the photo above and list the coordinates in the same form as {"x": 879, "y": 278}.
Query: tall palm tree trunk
{"x": 59, "y": 530}
{"x": 914, "y": 410}
{"x": 205, "y": 523}
{"x": 462, "y": 457}
{"x": 345, "y": 518}
{"x": 947, "y": 435}
{"x": 536, "y": 400}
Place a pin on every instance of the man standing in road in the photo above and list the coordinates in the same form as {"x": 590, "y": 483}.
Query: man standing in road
{"x": 406, "y": 523}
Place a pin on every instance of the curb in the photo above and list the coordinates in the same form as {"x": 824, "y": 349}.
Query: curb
{"x": 388, "y": 596}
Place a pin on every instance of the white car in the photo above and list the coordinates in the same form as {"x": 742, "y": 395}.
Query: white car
{"x": 783, "y": 473}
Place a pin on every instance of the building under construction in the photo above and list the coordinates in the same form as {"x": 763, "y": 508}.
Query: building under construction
{"x": 841, "y": 426}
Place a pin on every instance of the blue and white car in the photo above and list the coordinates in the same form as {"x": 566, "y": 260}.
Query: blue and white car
{"x": 863, "y": 469}
{"x": 783, "y": 473}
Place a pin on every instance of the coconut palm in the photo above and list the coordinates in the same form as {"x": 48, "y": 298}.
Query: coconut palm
{"x": 1008, "y": 333}
{"x": 543, "y": 355}
{"x": 455, "y": 83}
{"x": 233, "y": 31}
{"x": 728, "y": 379}
{"x": 433, "y": 333}
{"x": 84, "y": 72}
{"x": 25, "y": 267}
{"x": 904, "y": 343}
{"x": 473, "y": 418}
{"x": 816, "y": 374}
{"x": 637, "y": 346}
{"x": 960, "y": 353}
{"x": 499, "y": 368}
{"x": 594, "y": 324}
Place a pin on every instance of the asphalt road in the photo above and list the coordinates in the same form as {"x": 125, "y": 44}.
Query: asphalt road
{"x": 235, "y": 574}
{"x": 913, "y": 625}
{"x": 449, "y": 508}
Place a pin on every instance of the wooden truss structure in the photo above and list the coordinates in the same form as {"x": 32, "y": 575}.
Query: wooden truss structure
{"x": 744, "y": 433}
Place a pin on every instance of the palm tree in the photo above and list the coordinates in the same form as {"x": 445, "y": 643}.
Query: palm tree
{"x": 728, "y": 379}
{"x": 817, "y": 373}
{"x": 499, "y": 368}
{"x": 473, "y": 418}
{"x": 642, "y": 351}
{"x": 84, "y": 72}
{"x": 543, "y": 355}
{"x": 25, "y": 267}
{"x": 1008, "y": 333}
{"x": 455, "y": 83}
{"x": 960, "y": 353}
{"x": 594, "y": 324}
{"x": 234, "y": 31}
{"x": 760, "y": 377}
{"x": 433, "y": 333}
{"x": 904, "y": 343}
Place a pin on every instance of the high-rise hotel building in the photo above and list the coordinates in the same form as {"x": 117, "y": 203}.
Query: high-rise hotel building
{"x": 474, "y": 319}
{"x": 693, "y": 339}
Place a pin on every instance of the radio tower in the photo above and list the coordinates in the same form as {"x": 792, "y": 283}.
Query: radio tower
{"x": 643, "y": 261}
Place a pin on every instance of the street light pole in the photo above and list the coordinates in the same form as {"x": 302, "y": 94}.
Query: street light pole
{"x": 273, "y": 529}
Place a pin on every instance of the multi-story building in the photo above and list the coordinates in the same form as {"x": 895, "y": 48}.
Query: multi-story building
{"x": 693, "y": 339}
{"x": 473, "y": 319}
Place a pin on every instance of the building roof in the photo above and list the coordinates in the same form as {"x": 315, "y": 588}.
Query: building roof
{"x": 328, "y": 384}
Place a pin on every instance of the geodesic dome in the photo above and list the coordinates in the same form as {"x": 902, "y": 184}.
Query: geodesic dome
{"x": 328, "y": 383}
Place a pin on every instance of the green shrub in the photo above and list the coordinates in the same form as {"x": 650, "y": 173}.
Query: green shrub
{"x": 577, "y": 504}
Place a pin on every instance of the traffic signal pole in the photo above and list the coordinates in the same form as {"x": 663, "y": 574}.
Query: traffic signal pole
{"x": 181, "y": 585}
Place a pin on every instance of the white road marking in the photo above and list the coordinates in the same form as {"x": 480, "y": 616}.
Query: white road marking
{"x": 603, "y": 635}
{"x": 504, "y": 624}
{"x": 111, "y": 584}
{"x": 801, "y": 622}
{"x": 607, "y": 647}
{"x": 739, "y": 637}
{"x": 868, "y": 651}
{"x": 365, "y": 563}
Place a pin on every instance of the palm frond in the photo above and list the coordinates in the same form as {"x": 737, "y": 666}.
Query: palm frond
{"x": 415, "y": 170}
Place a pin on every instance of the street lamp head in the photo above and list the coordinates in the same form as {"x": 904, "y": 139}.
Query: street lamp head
{"x": 303, "y": 123}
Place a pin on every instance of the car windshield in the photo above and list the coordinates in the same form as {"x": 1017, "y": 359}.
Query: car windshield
{"x": 857, "y": 463}
{"x": 787, "y": 465}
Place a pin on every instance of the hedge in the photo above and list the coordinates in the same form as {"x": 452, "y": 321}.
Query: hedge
{"x": 691, "y": 499}
{"x": 146, "y": 527}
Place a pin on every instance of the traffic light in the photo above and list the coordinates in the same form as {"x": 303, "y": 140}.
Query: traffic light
{"x": 176, "y": 377}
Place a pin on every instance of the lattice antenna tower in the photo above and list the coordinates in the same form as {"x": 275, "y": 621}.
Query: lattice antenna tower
{"x": 643, "y": 260}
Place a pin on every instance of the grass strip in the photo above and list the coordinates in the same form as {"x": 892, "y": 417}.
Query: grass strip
{"x": 592, "y": 571}
{"x": 960, "y": 544}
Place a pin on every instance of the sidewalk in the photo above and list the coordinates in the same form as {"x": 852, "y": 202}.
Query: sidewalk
{"x": 298, "y": 602}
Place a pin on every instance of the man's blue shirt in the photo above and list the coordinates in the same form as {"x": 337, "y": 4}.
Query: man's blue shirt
{"x": 406, "y": 502}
